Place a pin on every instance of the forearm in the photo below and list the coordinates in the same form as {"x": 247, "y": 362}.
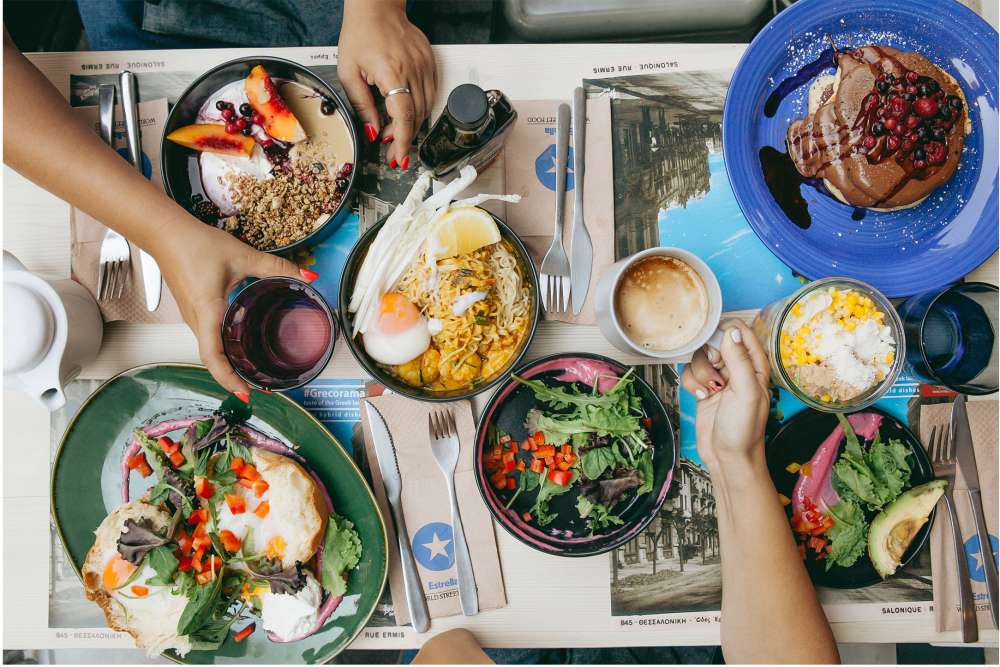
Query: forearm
{"x": 47, "y": 143}
{"x": 770, "y": 610}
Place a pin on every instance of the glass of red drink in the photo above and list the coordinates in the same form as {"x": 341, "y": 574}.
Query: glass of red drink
{"x": 278, "y": 333}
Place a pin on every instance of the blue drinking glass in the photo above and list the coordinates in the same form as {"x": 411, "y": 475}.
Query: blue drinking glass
{"x": 278, "y": 333}
{"x": 951, "y": 337}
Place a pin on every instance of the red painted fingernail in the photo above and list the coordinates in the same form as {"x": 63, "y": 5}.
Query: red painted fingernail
{"x": 715, "y": 386}
{"x": 392, "y": 163}
{"x": 243, "y": 396}
{"x": 371, "y": 132}
{"x": 405, "y": 164}
{"x": 387, "y": 139}
{"x": 309, "y": 275}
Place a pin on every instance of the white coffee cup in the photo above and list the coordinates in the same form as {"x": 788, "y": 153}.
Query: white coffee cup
{"x": 606, "y": 306}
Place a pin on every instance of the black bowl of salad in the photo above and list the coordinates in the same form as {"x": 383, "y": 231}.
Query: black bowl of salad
{"x": 859, "y": 492}
{"x": 574, "y": 454}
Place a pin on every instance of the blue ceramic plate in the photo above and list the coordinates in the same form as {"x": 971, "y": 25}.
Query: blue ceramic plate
{"x": 902, "y": 252}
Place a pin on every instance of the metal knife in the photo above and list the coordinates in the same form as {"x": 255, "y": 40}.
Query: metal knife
{"x": 961, "y": 436}
{"x": 386, "y": 454}
{"x": 581, "y": 247}
{"x": 151, "y": 278}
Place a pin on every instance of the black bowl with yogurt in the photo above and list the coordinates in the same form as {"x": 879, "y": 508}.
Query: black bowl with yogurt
{"x": 184, "y": 170}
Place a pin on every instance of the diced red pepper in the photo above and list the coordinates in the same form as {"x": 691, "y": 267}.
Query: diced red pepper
{"x": 184, "y": 542}
{"x": 550, "y": 461}
{"x": 511, "y": 483}
{"x": 245, "y": 483}
{"x": 526, "y": 445}
{"x": 229, "y": 540}
{"x": 262, "y": 509}
{"x": 197, "y": 516}
{"x": 244, "y": 633}
{"x": 167, "y": 445}
{"x": 203, "y": 487}
{"x": 138, "y": 463}
{"x": 647, "y": 422}
{"x": 141, "y": 591}
{"x": 145, "y": 470}
{"x": 177, "y": 459}
{"x": 566, "y": 449}
{"x": 184, "y": 564}
{"x": 196, "y": 559}
{"x": 557, "y": 459}
{"x": 236, "y": 465}
{"x": 526, "y": 516}
{"x": 569, "y": 458}
{"x": 236, "y": 503}
{"x": 816, "y": 543}
{"x": 509, "y": 466}
{"x": 563, "y": 465}
{"x": 537, "y": 465}
{"x": 499, "y": 480}
{"x": 544, "y": 451}
{"x": 560, "y": 477}
{"x": 260, "y": 487}
{"x": 538, "y": 438}
{"x": 249, "y": 472}
{"x": 521, "y": 466}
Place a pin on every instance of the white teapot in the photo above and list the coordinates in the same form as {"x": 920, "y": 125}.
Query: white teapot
{"x": 51, "y": 330}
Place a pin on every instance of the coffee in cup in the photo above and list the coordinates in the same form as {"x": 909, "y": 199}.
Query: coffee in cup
{"x": 661, "y": 302}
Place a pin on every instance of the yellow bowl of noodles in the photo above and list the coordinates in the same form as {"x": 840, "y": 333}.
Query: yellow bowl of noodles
{"x": 484, "y": 306}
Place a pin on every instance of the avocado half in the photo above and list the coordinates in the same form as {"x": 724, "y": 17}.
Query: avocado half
{"x": 894, "y": 527}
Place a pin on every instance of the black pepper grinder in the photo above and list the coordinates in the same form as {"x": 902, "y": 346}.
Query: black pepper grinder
{"x": 470, "y": 130}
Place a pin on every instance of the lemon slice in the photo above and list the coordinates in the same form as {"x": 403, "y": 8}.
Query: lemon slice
{"x": 463, "y": 229}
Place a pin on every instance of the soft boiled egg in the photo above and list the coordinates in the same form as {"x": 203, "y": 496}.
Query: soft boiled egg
{"x": 131, "y": 604}
{"x": 399, "y": 333}
{"x": 284, "y": 518}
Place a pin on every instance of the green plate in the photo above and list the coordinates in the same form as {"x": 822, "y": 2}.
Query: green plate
{"x": 86, "y": 486}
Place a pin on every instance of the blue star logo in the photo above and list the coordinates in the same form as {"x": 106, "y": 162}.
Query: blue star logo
{"x": 434, "y": 547}
{"x": 545, "y": 168}
{"x": 974, "y": 554}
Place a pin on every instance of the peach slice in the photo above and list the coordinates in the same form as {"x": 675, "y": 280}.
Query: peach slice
{"x": 279, "y": 121}
{"x": 212, "y": 138}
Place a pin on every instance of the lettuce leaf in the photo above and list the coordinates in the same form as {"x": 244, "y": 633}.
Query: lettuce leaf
{"x": 848, "y": 536}
{"x": 341, "y": 553}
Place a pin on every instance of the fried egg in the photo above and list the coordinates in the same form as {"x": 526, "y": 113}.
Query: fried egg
{"x": 400, "y": 332}
{"x": 287, "y": 521}
{"x": 130, "y": 603}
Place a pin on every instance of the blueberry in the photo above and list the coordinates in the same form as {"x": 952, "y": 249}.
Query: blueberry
{"x": 924, "y": 90}
{"x": 939, "y": 133}
{"x": 246, "y": 109}
{"x": 247, "y": 131}
{"x": 221, "y": 104}
{"x": 919, "y": 154}
{"x": 933, "y": 85}
{"x": 955, "y": 102}
{"x": 878, "y": 129}
{"x": 882, "y": 87}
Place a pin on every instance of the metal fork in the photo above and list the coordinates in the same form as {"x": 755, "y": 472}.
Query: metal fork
{"x": 942, "y": 455}
{"x": 116, "y": 260}
{"x": 554, "y": 275}
{"x": 445, "y": 447}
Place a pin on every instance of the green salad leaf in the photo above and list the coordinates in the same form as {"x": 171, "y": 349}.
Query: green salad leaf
{"x": 341, "y": 554}
{"x": 546, "y": 492}
{"x": 164, "y": 563}
{"x": 876, "y": 476}
{"x": 848, "y": 536}
{"x": 597, "y": 514}
{"x": 645, "y": 466}
{"x": 595, "y": 461}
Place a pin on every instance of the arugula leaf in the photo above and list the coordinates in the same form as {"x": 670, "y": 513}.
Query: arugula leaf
{"x": 200, "y": 607}
{"x": 341, "y": 554}
{"x": 645, "y": 466}
{"x": 563, "y": 397}
{"x": 595, "y": 461}
{"x": 848, "y": 534}
{"x": 204, "y": 432}
{"x": 214, "y": 632}
{"x": 546, "y": 492}
{"x": 154, "y": 455}
{"x": 164, "y": 563}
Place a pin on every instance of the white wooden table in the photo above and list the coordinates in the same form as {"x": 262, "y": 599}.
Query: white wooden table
{"x": 552, "y": 601}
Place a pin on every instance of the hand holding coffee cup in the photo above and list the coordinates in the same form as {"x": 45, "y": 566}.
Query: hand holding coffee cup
{"x": 663, "y": 303}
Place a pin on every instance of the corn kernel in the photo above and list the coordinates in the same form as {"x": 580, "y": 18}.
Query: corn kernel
{"x": 784, "y": 500}
{"x": 889, "y": 357}
{"x": 797, "y": 309}
{"x": 826, "y": 398}
{"x": 793, "y": 467}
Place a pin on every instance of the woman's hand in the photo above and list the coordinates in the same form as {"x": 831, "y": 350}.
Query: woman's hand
{"x": 202, "y": 265}
{"x": 733, "y": 396}
{"x": 380, "y": 47}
